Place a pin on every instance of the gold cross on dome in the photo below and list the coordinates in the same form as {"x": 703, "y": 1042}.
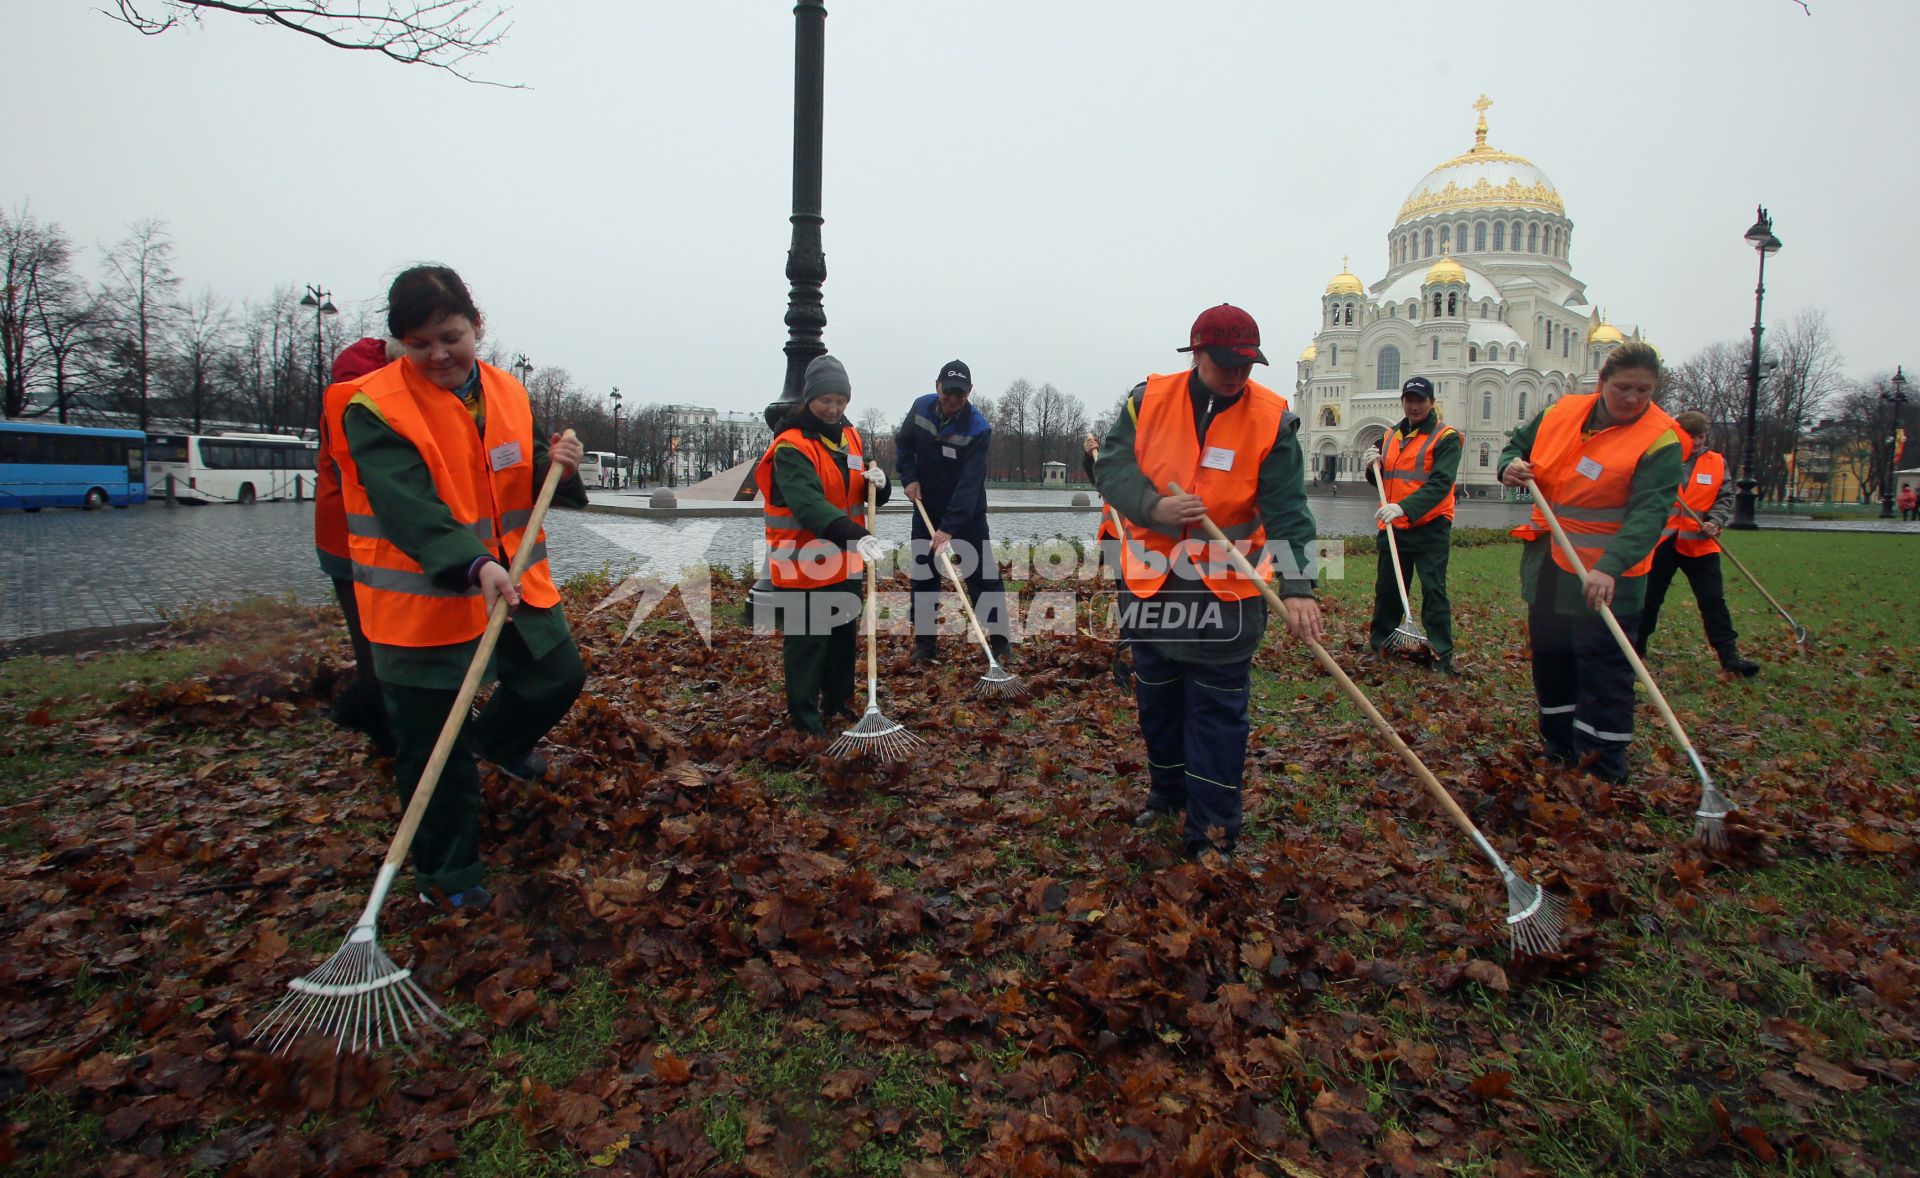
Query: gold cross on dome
{"x": 1346, "y": 263}
{"x": 1480, "y": 131}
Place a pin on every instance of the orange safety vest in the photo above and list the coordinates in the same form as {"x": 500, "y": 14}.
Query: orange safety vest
{"x": 1226, "y": 476}
{"x": 329, "y": 505}
{"x": 1407, "y": 465}
{"x": 485, "y": 481}
{"x": 797, "y": 558}
{"x": 1589, "y": 480}
{"x": 1699, "y": 487}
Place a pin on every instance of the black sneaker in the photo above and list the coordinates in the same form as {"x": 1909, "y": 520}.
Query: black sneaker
{"x": 1732, "y": 660}
{"x": 924, "y": 651}
{"x": 1151, "y": 816}
{"x": 1001, "y": 648}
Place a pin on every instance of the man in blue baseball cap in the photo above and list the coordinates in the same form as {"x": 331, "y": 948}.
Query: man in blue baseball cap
{"x": 1418, "y": 469}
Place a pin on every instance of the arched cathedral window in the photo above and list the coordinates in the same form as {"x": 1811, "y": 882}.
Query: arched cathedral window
{"x": 1480, "y": 236}
{"x": 1427, "y": 244}
{"x": 1473, "y": 354}
{"x": 1453, "y": 306}
{"x": 1493, "y": 353}
{"x": 1499, "y": 236}
{"x": 1523, "y": 405}
{"x": 1533, "y": 239}
{"x": 1436, "y": 349}
{"x": 1438, "y": 303}
{"x": 1486, "y": 406}
{"x": 1328, "y": 417}
{"x": 1349, "y": 312}
{"x": 1333, "y": 355}
{"x": 1387, "y": 369}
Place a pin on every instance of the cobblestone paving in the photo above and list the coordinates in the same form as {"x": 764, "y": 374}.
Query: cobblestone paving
{"x": 70, "y": 570}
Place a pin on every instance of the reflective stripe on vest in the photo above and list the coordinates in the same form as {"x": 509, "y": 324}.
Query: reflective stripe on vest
{"x": 1168, "y": 451}
{"x": 797, "y": 558}
{"x": 1699, "y": 497}
{"x": 1591, "y": 509}
{"x": 399, "y": 604}
{"x": 1407, "y": 467}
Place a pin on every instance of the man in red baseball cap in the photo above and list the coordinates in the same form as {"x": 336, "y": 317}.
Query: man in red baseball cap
{"x": 1233, "y": 448}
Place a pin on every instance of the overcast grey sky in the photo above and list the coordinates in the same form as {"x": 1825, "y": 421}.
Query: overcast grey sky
{"x": 1048, "y": 189}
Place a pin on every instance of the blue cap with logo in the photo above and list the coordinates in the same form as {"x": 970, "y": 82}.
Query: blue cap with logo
{"x": 1417, "y": 386}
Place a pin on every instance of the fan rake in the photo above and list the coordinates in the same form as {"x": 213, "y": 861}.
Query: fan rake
{"x": 886, "y": 739}
{"x": 1536, "y": 918}
{"x": 1409, "y": 636}
{"x": 998, "y": 682}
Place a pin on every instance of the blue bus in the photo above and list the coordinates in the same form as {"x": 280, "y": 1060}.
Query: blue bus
{"x": 70, "y": 466}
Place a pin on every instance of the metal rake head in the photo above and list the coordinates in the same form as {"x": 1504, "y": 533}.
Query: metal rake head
{"x": 1710, "y": 820}
{"x": 1407, "y": 636}
{"x": 1801, "y": 638}
{"x": 1000, "y": 683}
{"x": 358, "y": 998}
{"x": 886, "y": 739}
{"x": 1536, "y": 918}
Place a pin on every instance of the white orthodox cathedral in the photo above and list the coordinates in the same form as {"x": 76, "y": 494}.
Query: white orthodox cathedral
{"x": 1478, "y": 297}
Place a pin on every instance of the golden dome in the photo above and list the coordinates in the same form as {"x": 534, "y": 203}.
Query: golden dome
{"x": 1346, "y": 282}
{"x": 1446, "y": 270}
{"x": 1482, "y": 177}
{"x": 1310, "y": 353}
{"x": 1605, "y": 333}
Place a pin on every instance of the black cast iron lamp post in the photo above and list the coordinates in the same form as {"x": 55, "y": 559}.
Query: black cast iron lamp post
{"x": 1896, "y": 403}
{"x": 614, "y": 396}
{"x": 322, "y": 303}
{"x": 1764, "y": 242}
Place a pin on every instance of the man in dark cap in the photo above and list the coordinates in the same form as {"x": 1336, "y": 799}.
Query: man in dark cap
{"x": 941, "y": 459}
{"x": 1194, "y": 623}
{"x": 1420, "y": 463}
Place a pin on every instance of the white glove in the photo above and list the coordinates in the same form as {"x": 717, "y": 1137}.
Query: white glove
{"x": 876, "y": 478}
{"x": 1371, "y": 456}
{"x": 1386, "y": 515}
{"x": 871, "y": 549}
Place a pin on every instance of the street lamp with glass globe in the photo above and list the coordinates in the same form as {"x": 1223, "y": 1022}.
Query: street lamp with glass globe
{"x": 1764, "y": 243}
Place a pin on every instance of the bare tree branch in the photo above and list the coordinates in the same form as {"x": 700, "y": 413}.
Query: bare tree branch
{"x": 440, "y": 34}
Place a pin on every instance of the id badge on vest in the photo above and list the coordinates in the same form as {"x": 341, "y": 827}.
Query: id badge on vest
{"x": 1217, "y": 458}
{"x": 504, "y": 455}
{"x": 1590, "y": 469}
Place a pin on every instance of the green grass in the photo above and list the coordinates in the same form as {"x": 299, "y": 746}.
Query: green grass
{"x": 56, "y": 1139}
{"x": 778, "y": 1068}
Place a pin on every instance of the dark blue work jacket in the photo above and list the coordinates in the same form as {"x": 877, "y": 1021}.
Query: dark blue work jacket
{"x": 949, "y": 461}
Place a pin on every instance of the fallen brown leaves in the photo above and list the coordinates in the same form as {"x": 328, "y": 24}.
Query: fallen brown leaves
{"x": 1096, "y": 1005}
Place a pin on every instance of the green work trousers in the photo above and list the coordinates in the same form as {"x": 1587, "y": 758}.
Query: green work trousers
{"x": 817, "y": 631}
{"x": 1423, "y": 553}
{"x": 532, "y": 695}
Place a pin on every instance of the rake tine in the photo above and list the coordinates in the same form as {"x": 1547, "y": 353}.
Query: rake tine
{"x": 998, "y": 682}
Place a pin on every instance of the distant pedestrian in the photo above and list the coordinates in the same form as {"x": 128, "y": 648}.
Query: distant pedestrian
{"x": 360, "y": 706}
{"x": 813, "y": 483}
{"x": 1909, "y": 502}
{"x": 941, "y": 455}
{"x": 442, "y": 467}
{"x": 1688, "y": 544}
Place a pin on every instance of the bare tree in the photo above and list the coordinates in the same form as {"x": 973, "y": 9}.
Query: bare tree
{"x": 1806, "y": 379}
{"x": 140, "y": 282}
{"x": 35, "y": 278}
{"x": 877, "y": 437}
{"x": 1015, "y": 413}
{"x": 1713, "y": 382}
{"x": 440, "y": 34}
{"x": 206, "y": 326}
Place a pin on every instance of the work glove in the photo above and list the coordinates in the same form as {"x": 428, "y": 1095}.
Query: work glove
{"x": 1371, "y": 456}
{"x": 871, "y": 549}
{"x": 876, "y": 478}
{"x": 1386, "y": 515}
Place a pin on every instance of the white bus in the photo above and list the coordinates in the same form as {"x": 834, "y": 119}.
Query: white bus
{"x": 601, "y": 468}
{"x": 230, "y": 467}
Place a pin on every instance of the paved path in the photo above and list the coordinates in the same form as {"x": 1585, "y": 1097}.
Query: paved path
{"x": 71, "y": 570}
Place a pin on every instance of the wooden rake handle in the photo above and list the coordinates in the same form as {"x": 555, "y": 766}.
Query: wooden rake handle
{"x": 873, "y": 609}
{"x": 1744, "y": 570}
{"x": 1606, "y": 611}
{"x": 959, "y": 584}
{"x": 1434, "y": 788}
{"x": 1393, "y": 549}
{"x": 450, "y": 731}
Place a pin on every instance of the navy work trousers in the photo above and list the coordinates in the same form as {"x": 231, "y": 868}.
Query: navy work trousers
{"x": 1193, "y": 717}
